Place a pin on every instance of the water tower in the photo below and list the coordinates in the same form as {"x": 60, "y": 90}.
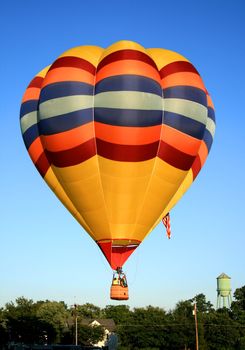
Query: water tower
{"x": 223, "y": 290}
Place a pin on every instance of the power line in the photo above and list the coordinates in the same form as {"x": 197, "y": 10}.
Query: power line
{"x": 181, "y": 324}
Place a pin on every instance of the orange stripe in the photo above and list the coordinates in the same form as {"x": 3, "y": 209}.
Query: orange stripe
{"x": 68, "y": 74}
{"x": 203, "y": 152}
{"x": 127, "y": 135}
{"x": 183, "y": 78}
{"x": 31, "y": 94}
{"x": 128, "y": 67}
{"x": 35, "y": 150}
{"x": 210, "y": 102}
{"x": 68, "y": 139}
{"x": 177, "y": 139}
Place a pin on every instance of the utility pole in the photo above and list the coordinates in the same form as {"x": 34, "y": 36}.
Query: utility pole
{"x": 196, "y": 325}
{"x": 75, "y": 314}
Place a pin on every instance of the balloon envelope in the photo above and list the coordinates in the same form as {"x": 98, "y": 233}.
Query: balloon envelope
{"x": 119, "y": 134}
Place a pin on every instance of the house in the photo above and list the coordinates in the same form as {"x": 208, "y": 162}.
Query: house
{"x": 110, "y": 339}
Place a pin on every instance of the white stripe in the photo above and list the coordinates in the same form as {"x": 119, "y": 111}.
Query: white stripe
{"x": 210, "y": 126}
{"x": 189, "y": 109}
{"x": 123, "y": 100}
{"x": 128, "y": 100}
{"x": 62, "y": 105}
{"x": 28, "y": 120}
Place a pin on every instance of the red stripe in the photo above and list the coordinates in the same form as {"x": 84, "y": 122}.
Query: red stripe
{"x": 74, "y": 155}
{"x": 123, "y": 153}
{"x": 174, "y": 157}
{"x": 126, "y": 153}
{"x": 42, "y": 164}
{"x": 196, "y": 167}
{"x": 36, "y": 82}
{"x": 127, "y": 55}
{"x": 177, "y": 67}
{"x": 74, "y": 62}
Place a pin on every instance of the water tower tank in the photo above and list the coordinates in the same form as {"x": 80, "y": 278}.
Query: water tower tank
{"x": 223, "y": 290}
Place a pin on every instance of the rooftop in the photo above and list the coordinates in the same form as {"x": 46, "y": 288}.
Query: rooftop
{"x": 223, "y": 275}
{"x": 108, "y": 323}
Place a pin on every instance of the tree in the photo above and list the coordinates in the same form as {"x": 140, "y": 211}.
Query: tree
{"x": 119, "y": 313}
{"x": 55, "y": 314}
{"x": 146, "y": 328}
{"x": 238, "y": 305}
{"x": 221, "y": 331}
{"x": 89, "y": 335}
{"x": 239, "y": 296}
{"x": 203, "y": 306}
{"x": 3, "y": 329}
{"x": 238, "y": 314}
{"x": 142, "y": 328}
{"x": 183, "y": 326}
{"x": 23, "y": 324}
{"x": 88, "y": 311}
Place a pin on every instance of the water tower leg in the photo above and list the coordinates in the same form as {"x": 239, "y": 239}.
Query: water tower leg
{"x": 218, "y": 302}
{"x": 230, "y": 299}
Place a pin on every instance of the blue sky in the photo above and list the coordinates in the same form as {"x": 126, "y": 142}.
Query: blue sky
{"x": 45, "y": 254}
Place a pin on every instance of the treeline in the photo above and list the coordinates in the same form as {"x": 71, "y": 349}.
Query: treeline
{"x": 52, "y": 322}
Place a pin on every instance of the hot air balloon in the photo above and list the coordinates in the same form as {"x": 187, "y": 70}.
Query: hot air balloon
{"x": 118, "y": 134}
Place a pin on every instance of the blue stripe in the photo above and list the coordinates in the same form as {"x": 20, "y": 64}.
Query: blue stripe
{"x": 187, "y": 93}
{"x": 208, "y": 139}
{"x": 30, "y": 135}
{"x": 67, "y": 88}
{"x": 186, "y": 125}
{"x": 128, "y": 83}
{"x": 28, "y": 107}
{"x": 127, "y": 117}
{"x": 65, "y": 122}
{"x": 211, "y": 113}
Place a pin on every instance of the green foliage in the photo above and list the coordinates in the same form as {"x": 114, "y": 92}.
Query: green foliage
{"x": 23, "y": 323}
{"x": 182, "y": 334}
{"x": 145, "y": 328}
{"x": 221, "y": 331}
{"x": 203, "y": 306}
{"x": 152, "y": 328}
{"x": 3, "y": 328}
{"x": 238, "y": 305}
{"x": 238, "y": 314}
{"x": 88, "y": 311}
{"x": 88, "y": 335}
{"x": 119, "y": 313}
{"x": 239, "y": 296}
{"x": 56, "y": 315}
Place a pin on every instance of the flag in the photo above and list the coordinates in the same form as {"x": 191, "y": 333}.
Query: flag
{"x": 166, "y": 223}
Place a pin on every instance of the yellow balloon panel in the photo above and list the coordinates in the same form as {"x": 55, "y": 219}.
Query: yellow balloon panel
{"x": 162, "y": 57}
{"x": 56, "y": 187}
{"x": 90, "y": 53}
{"x": 164, "y": 183}
{"x": 122, "y": 231}
{"x": 126, "y": 170}
{"x": 82, "y": 186}
{"x": 177, "y": 196}
{"x": 80, "y": 171}
{"x": 122, "y": 45}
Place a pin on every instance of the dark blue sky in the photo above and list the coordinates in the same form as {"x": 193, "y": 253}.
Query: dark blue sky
{"x": 44, "y": 252}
